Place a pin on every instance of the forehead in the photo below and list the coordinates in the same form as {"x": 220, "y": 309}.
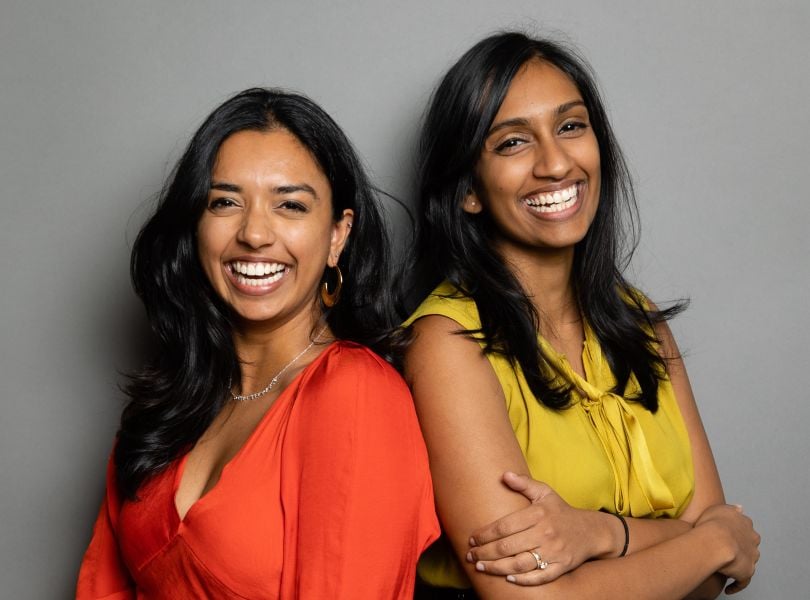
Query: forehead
{"x": 270, "y": 157}
{"x": 538, "y": 87}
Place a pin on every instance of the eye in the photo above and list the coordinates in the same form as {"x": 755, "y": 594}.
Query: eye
{"x": 509, "y": 145}
{"x": 221, "y": 202}
{"x": 293, "y": 206}
{"x": 572, "y": 128}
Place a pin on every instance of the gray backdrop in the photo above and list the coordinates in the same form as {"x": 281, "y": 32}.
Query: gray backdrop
{"x": 97, "y": 99}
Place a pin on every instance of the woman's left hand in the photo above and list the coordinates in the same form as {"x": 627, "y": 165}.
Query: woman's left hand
{"x": 562, "y": 536}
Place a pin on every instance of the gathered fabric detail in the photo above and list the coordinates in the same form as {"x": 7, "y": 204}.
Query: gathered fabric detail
{"x": 626, "y": 449}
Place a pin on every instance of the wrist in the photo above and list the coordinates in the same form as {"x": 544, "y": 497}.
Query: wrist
{"x": 617, "y": 539}
{"x": 716, "y": 537}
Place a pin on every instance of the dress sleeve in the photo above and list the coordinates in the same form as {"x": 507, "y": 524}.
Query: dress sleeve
{"x": 356, "y": 490}
{"x": 103, "y": 574}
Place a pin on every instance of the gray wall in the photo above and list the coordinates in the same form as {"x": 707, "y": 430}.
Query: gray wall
{"x": 98, "y": 98}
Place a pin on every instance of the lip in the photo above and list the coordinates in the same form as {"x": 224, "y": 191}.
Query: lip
{"x": 557, "y": 215}
{"x": 237, "y": 280}
{"x": 557, "y": 187}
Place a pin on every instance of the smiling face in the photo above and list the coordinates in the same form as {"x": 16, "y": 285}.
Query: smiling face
{"x": 538, "y": 176}
{"x": 268, "y": 232}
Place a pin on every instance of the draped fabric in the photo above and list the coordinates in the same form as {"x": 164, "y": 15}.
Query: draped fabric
{"x": 602, "y": 452}
{"x": 619, "y": 431}
{"x": 330, "y": 497}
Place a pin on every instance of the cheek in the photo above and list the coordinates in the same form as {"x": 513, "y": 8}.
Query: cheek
{"x": 590, "y": 157}
{"x": 498, "y": 180}
{"x": 310, "y": 245}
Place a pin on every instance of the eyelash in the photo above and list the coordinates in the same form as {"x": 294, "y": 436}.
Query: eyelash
{"x": 573, "y": 126}
{"x": 509, "y": 144}
{"x": 222, "y": 202}
{"x": 293, "y": 206}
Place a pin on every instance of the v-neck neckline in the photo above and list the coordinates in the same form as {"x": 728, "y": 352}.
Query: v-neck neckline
{"x": 563, "y": 365}
{"x": 271, "y": 410}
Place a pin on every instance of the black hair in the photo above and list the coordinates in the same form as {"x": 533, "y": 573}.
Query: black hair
{"x": 175, "y": 397}
{"x": 455, "y": 246}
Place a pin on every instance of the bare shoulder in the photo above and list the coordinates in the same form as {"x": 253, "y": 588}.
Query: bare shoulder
{"x": 434, "y": 336}
{"x": 448, "y": 370}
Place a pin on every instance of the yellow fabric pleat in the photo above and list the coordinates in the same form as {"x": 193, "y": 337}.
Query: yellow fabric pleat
{"x": 626, "y": 448}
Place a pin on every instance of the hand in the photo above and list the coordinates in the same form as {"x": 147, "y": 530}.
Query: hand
{"x": 563, "y": 536}
{"x": 741, "y": 541}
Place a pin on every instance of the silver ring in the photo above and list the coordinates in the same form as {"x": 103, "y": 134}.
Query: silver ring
{"x": 541, "y": 564}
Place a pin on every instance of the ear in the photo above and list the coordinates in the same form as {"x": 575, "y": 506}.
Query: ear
{"x": 471, "y": 203}
{"x": 340, "y": 235}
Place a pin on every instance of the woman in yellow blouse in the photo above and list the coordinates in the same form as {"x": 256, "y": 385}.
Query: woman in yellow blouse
{"x": 535, "y": 357}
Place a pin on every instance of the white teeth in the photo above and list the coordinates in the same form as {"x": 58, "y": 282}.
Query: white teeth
{"x": 256, "y": 269}
{"x": 260, "y": 282}
{"x": 255, "y": 274}
{"x": 552, "y": 208}
{"x": 553, "y": 201}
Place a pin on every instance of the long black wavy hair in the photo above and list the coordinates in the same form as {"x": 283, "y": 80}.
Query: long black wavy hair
{"x": 457, "y": 246}
{"x": 175, "y": 397}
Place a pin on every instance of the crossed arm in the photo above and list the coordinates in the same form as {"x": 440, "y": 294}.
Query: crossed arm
{"x": 471, "y": 444}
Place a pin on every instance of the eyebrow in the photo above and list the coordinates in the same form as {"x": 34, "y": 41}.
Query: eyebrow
{"x": 523, "y": 122}
{"x": 280, "y": 190}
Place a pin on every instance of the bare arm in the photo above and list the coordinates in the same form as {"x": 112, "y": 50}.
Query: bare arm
{"x": 549, "y": 522}
{"x": 471, "y": 444}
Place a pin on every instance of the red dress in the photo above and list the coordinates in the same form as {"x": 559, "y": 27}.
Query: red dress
{"x": 330, "y": 497}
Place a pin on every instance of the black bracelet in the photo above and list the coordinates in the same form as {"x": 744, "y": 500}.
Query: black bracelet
{"x": 626, "y": 531}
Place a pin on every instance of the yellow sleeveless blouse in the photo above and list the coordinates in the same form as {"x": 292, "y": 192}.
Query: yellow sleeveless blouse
{"x": 602, "y": 452}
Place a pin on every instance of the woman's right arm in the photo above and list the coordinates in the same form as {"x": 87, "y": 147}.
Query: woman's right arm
{"x": 471, "y": 444}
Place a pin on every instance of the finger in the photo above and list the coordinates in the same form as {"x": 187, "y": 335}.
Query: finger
{"x": 535, "y": 577}
{"x": 737, "y": 586}
{"x": 521, "y": 563}
{"x": 504, "y": 527}
{"x": 512, "y": 545}
{"x": 533, "y": 490}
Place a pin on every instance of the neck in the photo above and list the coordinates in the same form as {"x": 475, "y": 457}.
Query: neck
{"x": 545, "y": 275}
{"x": 264, "y": 349}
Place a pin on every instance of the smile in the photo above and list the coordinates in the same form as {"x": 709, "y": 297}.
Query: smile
{"x": 554, "y": 201}
{"x": 257, "y": 274}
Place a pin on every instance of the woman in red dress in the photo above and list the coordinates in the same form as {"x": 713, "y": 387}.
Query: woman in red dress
{"x": 267, "y": 451}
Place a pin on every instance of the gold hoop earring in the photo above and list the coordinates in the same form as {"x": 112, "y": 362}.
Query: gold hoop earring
{"x": 328, "y": 299}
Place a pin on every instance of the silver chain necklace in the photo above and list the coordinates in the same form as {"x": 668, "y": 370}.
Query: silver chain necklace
{"x": 274, "y": 381}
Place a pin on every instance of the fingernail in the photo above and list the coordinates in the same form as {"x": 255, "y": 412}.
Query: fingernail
{"x": 469, "y": 557}
{"x": 738, "y": 507}
{"x": 472, "y": 542}
{"x": 511, "y": 578}
{"x": 479, "y": 566}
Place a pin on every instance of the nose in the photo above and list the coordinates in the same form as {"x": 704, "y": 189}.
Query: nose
{"x": 552, "y": 160}
{"x": 257, "y": 228}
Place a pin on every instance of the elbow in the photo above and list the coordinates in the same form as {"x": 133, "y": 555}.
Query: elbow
{"x": 709, "y": 589}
